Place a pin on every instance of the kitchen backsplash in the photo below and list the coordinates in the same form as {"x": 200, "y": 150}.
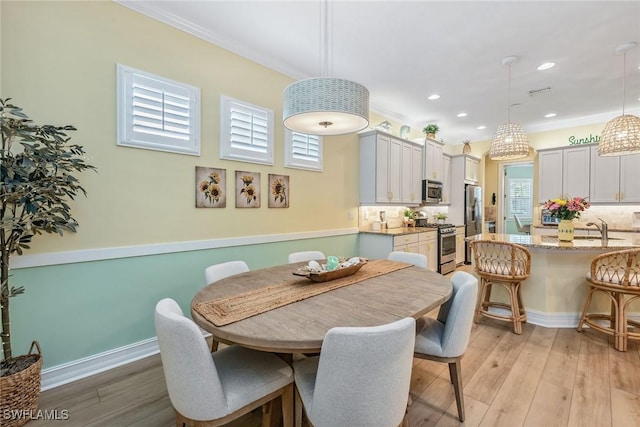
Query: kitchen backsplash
{"x": 618, "y": 217}
{"x": 395, "y": 215}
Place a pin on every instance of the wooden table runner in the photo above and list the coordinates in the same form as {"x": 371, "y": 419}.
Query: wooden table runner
{"x": 223, "y": 311}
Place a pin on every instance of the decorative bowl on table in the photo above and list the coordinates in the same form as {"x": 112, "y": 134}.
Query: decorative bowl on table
{"x": 317, "y": 272}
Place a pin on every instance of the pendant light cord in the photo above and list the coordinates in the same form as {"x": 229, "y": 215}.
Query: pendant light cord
{"x": 325, "y": 40}
{"x": 509, "y": 98}
{"x": 624, "y": 72}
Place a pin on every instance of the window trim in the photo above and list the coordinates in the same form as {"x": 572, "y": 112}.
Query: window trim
{"x": 227, "y": 152}
{"x": 291, "y": 162}
{"x": 127, "y": 137}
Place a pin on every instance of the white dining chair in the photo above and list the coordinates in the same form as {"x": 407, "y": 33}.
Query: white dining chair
{"x": 306, "y": 256}
{"x": 216, "y": 272}
{"x": 522, "y": 228}
{"x": 223, "y": 270}
{"x": 418, "y": 260}
{"x": 445, "y": 339}
{"x": 361, "y": 377}
{"x": 215, "y": 388}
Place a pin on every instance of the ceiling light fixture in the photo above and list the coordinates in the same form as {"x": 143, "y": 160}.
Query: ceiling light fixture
{"x": 433, "y": 97}
{"x": 326, "y": 105}
{"x": 510, "y": 142}
{"x": 462, "y": 115}
{"x": 621, "y": 135}
{"x": 546, "y": 66}
{"x": 548, "y": 116}
{"x": 481, "y": 127}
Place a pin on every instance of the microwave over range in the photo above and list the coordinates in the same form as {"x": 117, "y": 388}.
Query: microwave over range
{"x": 431, "y": 191}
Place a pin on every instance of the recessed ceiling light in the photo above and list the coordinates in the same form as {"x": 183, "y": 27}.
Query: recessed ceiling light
{"x": 550, "y": 115}
{"x": 481, "y": 127}
{"x": 462, "y": 115}
{"x": 433, "y": 97}
{"x": 546, "y": 66}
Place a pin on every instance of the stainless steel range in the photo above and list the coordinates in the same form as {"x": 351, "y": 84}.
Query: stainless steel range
{"x": 446, "y": 246}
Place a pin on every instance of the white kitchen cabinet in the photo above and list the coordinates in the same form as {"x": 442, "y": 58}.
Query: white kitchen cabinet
{"x": 429, "y": 247}
{"x": 460, "y": 245}
{"x": 406, "y": 243}
{"x": 411, "y": 173}
{"x": 446, "y": 180}
{"x": 471, "y": 169}
{"x": 433, "y": 160}
{"x": 379, "y": 245}
{"x": 390, "y": 170}
{"x": 563, "y": 172}
{"x": 614, "y": 178}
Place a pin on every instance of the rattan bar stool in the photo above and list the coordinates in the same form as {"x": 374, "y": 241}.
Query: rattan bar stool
{"x": 505, "y": 264}
{"x": 616, "y": 275}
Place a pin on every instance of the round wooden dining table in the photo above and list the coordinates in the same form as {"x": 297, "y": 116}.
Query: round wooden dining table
{"x": 300, "y": 327}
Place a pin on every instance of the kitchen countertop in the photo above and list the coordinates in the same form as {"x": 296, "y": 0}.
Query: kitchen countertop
{"x": 552, "y": 242}
{"x": 401, "y": 231}
{"x": 577, "y": 227}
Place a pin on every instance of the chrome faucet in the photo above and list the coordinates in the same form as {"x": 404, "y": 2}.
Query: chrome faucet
{"x": 603, "y": 228}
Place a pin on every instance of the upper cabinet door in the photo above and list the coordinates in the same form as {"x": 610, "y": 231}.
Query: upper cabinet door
{"x": 395, "y": 171}
{"x": 433, "y": 156}
{"x": 549, "y": 175}
{"x": 605, "y": 178}
{"x": 416, "y": 174}
{"x": 629, "y": 181}
{"x": 575, "y": 173}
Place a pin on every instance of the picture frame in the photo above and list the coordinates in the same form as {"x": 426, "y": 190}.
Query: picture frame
{"x": 211, "y": 187}
{"x": 278, "y": 191}
{"x": 247, "y": 189}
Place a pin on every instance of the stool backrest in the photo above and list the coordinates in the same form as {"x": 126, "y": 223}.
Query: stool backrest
{"x": 619, "y": 268}
{"x": 501, "y": 259}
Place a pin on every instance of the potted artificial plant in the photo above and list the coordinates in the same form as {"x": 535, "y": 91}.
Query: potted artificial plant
{"x": 36, "y": 185}
{"x": 431, "y": 130}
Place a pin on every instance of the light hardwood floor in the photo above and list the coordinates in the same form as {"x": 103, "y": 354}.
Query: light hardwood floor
{"x": 544, "y": 377}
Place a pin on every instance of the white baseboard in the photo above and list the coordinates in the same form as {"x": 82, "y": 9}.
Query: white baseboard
{"x": 85, "y": 367}
{"x": 552, "y": 320}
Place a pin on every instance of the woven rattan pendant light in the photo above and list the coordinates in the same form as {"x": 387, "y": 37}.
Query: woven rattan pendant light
{"x": 621, "y": 135}
{"x": 326, "y": 105}
{"x": 510, "y": 142}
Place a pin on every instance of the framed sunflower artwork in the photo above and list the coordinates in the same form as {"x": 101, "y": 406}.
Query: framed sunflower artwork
{"x": 247, "y": 189}
{"x": 211, "y": 187}
{"x": 278, "y": 191}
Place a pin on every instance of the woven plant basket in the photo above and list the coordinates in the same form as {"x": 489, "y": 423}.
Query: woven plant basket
{"x": 19, "y": 392}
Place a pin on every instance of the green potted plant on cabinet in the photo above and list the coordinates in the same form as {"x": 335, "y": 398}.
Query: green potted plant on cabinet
{"x": 431, "y": 130}
{"x": 35, "y": 187}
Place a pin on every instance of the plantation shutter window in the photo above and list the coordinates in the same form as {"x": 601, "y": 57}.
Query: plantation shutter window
{"x": 303, "y": 151}
{"x": 246, "y": 132}
{"x": 157, "y": 113}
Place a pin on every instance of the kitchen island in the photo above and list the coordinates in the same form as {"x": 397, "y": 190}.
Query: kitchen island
{"x": 555, "y": 292}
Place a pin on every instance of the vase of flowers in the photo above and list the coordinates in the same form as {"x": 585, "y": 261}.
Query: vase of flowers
{"x": 566, "y": 210}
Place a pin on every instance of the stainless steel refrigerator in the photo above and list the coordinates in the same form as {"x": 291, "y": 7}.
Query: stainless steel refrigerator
{"x": 472, "y": 215}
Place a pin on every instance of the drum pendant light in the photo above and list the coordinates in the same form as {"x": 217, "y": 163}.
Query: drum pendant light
{"x": 510, "y": 142}
{"x": 326, "y": 105}
{"x": 621, "y": 135}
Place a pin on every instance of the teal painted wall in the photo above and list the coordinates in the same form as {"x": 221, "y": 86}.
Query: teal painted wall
{"x": 83, "y": 309}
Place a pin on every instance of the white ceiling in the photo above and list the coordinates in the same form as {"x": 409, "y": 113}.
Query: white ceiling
{"x": 403, "y": 51}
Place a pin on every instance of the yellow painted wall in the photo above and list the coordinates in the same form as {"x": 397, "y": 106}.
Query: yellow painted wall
{"x": 59, "y": 64}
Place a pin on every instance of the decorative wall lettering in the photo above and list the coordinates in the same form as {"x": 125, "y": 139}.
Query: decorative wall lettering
{"x": 591, "y": 139}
